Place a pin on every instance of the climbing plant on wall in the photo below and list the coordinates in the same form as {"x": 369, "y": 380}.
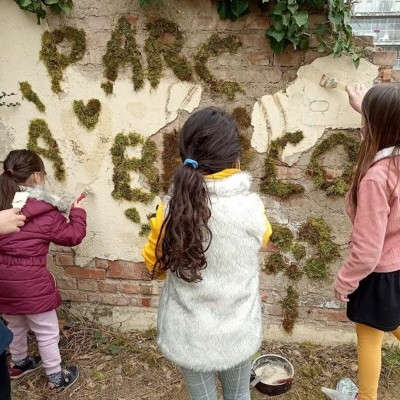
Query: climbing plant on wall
{"x": 289, "y": 23}
{"x": 38, "y": 7}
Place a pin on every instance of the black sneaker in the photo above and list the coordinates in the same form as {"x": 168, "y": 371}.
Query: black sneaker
{"x": 29, "y": 365}
{"x": 69, "y": 376}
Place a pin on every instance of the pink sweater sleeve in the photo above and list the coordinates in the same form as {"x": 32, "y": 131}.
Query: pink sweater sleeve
{"x": 367, "y": 237}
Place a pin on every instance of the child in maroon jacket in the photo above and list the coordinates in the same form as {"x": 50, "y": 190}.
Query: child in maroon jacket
{"x": 28, "y": 291}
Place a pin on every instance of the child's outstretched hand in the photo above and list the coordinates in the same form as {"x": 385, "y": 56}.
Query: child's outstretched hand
{"x": 78, "y": 202}
{"x": 356, "y": 95}
{"x": 341, "y": 297}
{"x": 11, "y": 220}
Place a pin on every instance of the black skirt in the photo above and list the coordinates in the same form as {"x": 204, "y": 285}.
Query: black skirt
{"x": 376, "y": 302}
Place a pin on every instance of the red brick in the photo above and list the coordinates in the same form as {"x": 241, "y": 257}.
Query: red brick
{"x": 325, "y": 314}
{"x": 264, "y": 298}
{"x": 73, "y": 295}
{"x": 283, "y": 172}
{"x": 86, "y": 273}
{"x": 127, "y": 270}
{"x": 396, "y": 75}
{"x": 87, "y": 285}
{"x": 273, "y": 309}
{"x": 384, "y": 58}
{"x": 146, "y": 301}
{"x": 332, "y": 174}
{"x": 255, "y": 40}
{"x": 111, "y": 299}
{"x": 65, "y": 260}
{"x": 66, "y": 283}
{"x": 154, "y": 302}
{"x": 107, "y": 287}
{"x": 387, "y": 75}
{"x": 259, "y": 58}
{"x": 100, "y": 263}
{"x": 288, "y": 58}
{"x": 136, "y": 301}
{"x": 257, "y": 22}
{"x": 132, "y": 19}
{"x": 130, "y": 288}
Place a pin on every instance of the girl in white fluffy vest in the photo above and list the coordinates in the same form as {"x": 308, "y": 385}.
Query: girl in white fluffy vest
{"x": 205, "y": 241}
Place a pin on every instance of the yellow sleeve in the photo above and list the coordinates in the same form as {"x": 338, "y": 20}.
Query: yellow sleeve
{"x": 268, "y": 231}
{"x": 149, "y": 250}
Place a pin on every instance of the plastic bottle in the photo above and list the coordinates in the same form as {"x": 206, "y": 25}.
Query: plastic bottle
{"x": 346, "y": 389}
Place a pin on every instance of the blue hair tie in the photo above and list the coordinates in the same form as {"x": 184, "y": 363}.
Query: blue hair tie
{"x": 191, "y": 162}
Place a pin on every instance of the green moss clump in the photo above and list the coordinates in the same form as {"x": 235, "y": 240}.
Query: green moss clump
{"x": 57, "y": 62}
{"x": 299, "y": 251}
{"x": 316, "y": 268}
{"x": 170, "y": 158}
{"x": 145, "y": 230}
{"x": 30, "y": 95}
{"x": 133, "y": 215}
{"x": 274, "y": 263}
{"x": 38, "y": 129}
{"x": 88, "y": 115}
{"x": 213, "y": 48}
{"x": 293, "y": 272}
{"x": 242, "y": 117}
{"x": 108, "y": 87}
{"x": 270, "y": 184}
{"x": 338, "y": 186}
{"x": 314, "y": 230}
{"x": 290, "y": 308}
{"x": 247, "y": 152}
{"x": 144, "y": 165}
{"x": 282, "y": 237}
{"x": 328, "y": 250}
{"x": 122, "y": 50}
{"x": 165, "y": 40}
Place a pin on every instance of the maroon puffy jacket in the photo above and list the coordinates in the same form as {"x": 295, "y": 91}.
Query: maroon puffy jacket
{"x": 26, "y": 285}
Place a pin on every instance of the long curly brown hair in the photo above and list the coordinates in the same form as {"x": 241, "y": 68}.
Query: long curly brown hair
{"x": 210, "y": 137}
{"x": 381, "y": 116}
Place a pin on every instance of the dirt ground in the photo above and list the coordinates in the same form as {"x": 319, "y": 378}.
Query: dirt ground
{"x": 128, "y": 366}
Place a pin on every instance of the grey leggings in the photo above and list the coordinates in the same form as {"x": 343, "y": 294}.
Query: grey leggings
{"x": 235, "y": 383}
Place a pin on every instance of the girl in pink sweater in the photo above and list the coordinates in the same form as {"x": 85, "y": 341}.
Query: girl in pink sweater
{"x": 369, "y": 280}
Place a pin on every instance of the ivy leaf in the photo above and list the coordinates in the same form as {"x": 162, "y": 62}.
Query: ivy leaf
{"x": 277, "y": 23}
{"x": 277, "y": 47}
{"x": 239, "y": 7}
{"x": 273, "y": 33}
{"x": 66, "y": 8}
{"x": 222, "y": 9}
{"x": 49, "y": 2}
{"x": 24, "y": 3}
{"x": 301, "y": 18}
{"x": 293, "y": 7}
{"x": 280, "y": 8}
{"x": 304, "y": 43}
{"x": 356, "y": 60}
{"x": 285, "y": 19}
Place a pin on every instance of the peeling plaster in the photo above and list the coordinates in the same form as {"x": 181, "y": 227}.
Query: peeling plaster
{"x": 306, "y": 106}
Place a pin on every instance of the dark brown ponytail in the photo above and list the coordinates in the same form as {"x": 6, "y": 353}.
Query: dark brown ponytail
{"x": 18, "y": 167}
{"x": 210, "y": 140}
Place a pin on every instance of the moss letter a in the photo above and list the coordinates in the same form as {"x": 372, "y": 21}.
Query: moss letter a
{"x": 122, "y": 50}
{"x": 38, "y": 129}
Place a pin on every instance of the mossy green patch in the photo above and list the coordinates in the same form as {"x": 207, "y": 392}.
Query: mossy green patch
{"x": 242, "y": 117}
{"x": 108, "y": 87}
{"x": 144, "y": 229}
{"x": 274, "y": 263}
{"x": 316, "y": 268}
{"x": 270, "y": 184}
{"x": 339, "y": 185}
{"x": 282, "y": 237}
{"x": 299, "y": 251}
{"x": 56, "y": 62}
{"x": 38, "y": 129}
{"x": 328, "y": 250}
{"x": 133, "y": 215}
{"x": 293, "y": 272}
{"x": 290, "y": 308}
{"x": 88, "y": 115}
{"x": 247, "y": 152}
{"x": 215, "y": 46}
{"x": 144, "y": 165}
{"x": 313, "y": 230}
{"x": 30, "y": 95}
{"x": 165, "y": 40}
{"x": 170, "y": 158}
{"x": 122, "y": 50}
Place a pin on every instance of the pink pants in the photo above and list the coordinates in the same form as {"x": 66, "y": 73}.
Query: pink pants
{"x": 47, "y": 332}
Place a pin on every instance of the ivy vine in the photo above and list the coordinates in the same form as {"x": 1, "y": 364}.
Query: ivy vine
{"x": 36, "y": 7}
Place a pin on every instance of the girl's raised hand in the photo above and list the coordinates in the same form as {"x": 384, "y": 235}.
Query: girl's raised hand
{"x": 356, "y": 95}
{"x": 11, "y": 220}
{"x": 78, "y": 202}
{"x": 341, "y": 297}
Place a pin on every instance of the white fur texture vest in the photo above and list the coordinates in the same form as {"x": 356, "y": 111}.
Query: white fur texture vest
{"x": 216, "y": 324}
